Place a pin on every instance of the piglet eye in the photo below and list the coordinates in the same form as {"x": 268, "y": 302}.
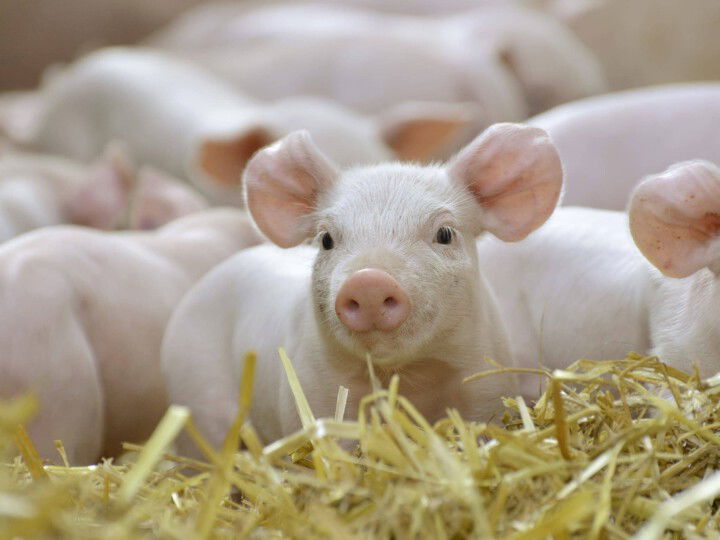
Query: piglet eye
{"x": 444, "y": 235}
{"x": 327, "y": 241}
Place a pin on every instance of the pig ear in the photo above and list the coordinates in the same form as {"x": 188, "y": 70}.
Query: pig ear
{"x": 159, "y": 198}
{"x": 515, "y": 175}
{"x": 222, "y": 159}
{"x": 420, "y": 131}
{"x": 102, "y": 198}
{"x": 675, "y": 218}
{"x": 282, "y": 185}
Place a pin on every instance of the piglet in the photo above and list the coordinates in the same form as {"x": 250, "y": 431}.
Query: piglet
{"x": 40, "y": 190}
{"x": 509, "y": 60}
{"x": 392, "y": 272}
{"x": 575, "y": 288}
{"x": 609, "y": 142}
{"x": 675, "y": 222}
{"x": 83, "y": 314}
{"x": 175, "y": 116}
{"x": 580, "y": 288}
{"x": 158, "y": 198}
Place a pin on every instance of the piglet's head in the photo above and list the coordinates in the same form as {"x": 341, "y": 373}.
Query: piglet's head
{"x": 675, "y": 218}
{"x": 158, "y": 198}
{"x": 396, "y": 269}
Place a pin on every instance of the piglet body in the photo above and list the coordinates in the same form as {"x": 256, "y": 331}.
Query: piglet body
{"x": 392, "y": 273}
{"x": 581, "y": 288}
{"x": 175, "y": 116}
{"x": 608, "y": 143}
{"x": 506, "y": 59}
{"x": 576, "y": 288}
{"x": 83, "y": 314}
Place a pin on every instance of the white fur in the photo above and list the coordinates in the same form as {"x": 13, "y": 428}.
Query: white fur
{"x": 35, "y": 191}
{"x": 609, "y": 142}
{"x": 366, "y": 61}
{"x": 575, "y": 288}
{"x": 385, "y": 216}
{"x": 579, "y": 288}
{"x": 163, "y": 109}
{"x": 83, "y": 314}
{"x": 370, "y": 61}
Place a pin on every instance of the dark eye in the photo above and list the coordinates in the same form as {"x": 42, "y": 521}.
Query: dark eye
{"x": 444, "y": 235}
{"x": 327, "y": 241}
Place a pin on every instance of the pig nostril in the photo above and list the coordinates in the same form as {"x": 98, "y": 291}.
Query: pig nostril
{"x": 353, "y": 305}
{"x": 390, "y": 302}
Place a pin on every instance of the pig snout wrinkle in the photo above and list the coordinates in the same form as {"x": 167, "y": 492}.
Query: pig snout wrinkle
{"x": 371, "y": 299}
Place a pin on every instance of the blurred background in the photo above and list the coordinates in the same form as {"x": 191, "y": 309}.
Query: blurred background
{"x": 35, "y": 34}
{"x": 201, "y": 85}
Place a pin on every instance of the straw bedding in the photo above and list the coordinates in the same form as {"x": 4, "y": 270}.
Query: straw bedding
{"x": 611, "y": 450}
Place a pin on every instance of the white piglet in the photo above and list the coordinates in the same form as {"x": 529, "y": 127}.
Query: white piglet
{"x": 675, "y": 221}
{"x": 608, "y": 143}
{"x": 41, "y": 190}
{"x": 506, "y": 59}
{"x": 576, "y": 288}
{"x": 580, "y": 288}
{"x": 83, "y": 313}
{"x": 175, "y": 116}
{"x": 392, "y": 273}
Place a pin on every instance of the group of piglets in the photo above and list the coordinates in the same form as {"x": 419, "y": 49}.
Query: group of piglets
{"x": 353, "y": 187}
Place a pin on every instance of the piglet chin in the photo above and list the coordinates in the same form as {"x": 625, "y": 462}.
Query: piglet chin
{"x": 387, "y": 351}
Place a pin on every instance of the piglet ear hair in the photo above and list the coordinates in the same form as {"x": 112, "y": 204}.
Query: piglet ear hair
{"x": 514, "y": 173}
{"x": 282, "y": 186}
{"x": 675, "y": 218}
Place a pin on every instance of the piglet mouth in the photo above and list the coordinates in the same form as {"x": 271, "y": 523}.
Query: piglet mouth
{"x": 384, "y": 349}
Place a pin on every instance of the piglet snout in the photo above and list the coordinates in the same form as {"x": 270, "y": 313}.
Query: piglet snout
{"x": 371, "y": 299}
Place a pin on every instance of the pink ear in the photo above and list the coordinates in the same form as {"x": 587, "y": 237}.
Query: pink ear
{"x": 223, "y": 159}
{"x": 514, "y": 173}
{"x": 159, "y": 198}
{"x": 102, "y": 198}
{"x": 675, "y": 218}
{"x": 422, "y": 131}
{"x": 282, "y": 184}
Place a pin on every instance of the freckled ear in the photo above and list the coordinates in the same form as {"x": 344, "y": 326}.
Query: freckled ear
{"x": 423, "y": 131}
{"x": 675, "y": 218}
{"x": 159, "y": 198}
{"x": 514, "y": 173}
{"x": 282, "y": 185}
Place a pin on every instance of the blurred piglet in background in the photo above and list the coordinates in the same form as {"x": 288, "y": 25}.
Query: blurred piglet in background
{"x": 507, "y": 60}
{"x": 607, "y": 143}
{"x": 83, "y": 314}
{"x": 584, "y": 262}
{"x": 393, "y": 273}
{"x": 39, "y": 190}
{"x": 173, "y": 115}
